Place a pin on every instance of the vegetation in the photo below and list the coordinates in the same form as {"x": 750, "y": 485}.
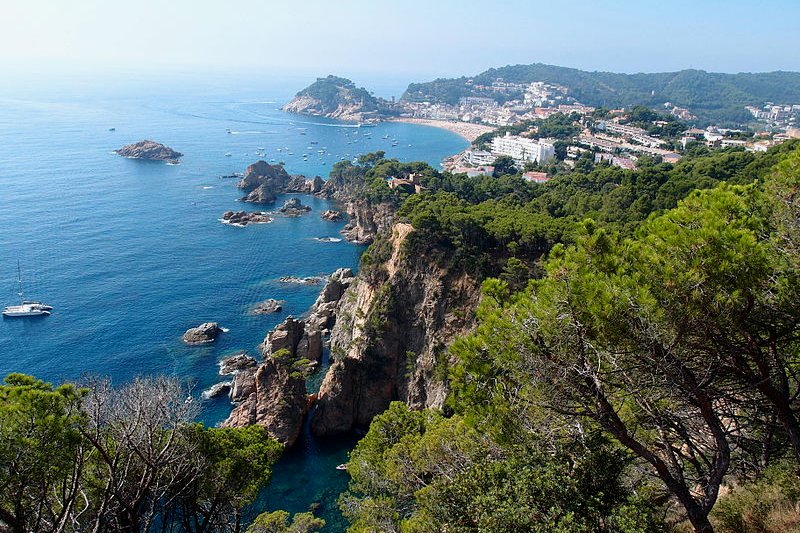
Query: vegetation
{"x": 650, "y": 363}
{"x": 331, "y": 91}
{"x": 713, "y": 97}
{"x": 128, "y": 459}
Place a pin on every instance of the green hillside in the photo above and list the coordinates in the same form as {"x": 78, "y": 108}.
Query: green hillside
{"x": 711, "y": 96}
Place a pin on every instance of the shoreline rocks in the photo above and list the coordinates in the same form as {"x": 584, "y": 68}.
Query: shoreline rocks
{"x": 267, "y": 306}
{"x": 243, "y": 218}
{"x": 293, "y": 207}
{"x": 331, "y": 215}
{"x": 218, "y": 389}
{"x": 150, "y": 151}
{"x": 300, "y": 281}
{"x": 203, "y": 334}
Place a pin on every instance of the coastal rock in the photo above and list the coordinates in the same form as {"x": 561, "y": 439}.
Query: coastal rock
{"x": 331, "y": 215}
{"x": 367, "y": 221}
{"x": 277, "y": 400}
{"x": 294, "y": 207}
{"x": 262, "y": 182}
{"x": 202, "y": 334}
{"x": 322, "y": 315}
{"x": 421, "y": 305}
{"x": 216, "y": 390}
{"x": 267, "y": 306}
{"x": 243, "y": 218}
{"x": 236, "y": 363}
{"x": 301, "y": 281}
{"x": 288, "y": 336}
{"x": 149, "y": 150}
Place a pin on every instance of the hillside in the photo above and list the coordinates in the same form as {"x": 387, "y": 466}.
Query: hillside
{"x": 711, "y": 96}
{"x": 335, "y": 97}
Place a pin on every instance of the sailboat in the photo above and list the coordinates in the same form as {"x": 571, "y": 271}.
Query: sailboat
{"x": 26, "y": 307}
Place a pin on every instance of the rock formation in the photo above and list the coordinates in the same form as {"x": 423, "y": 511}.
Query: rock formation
{"x": 218, "y": 389}
{"x": 390, "y": 338}
{"x": 202, "y": 334}
{"x": 293, "y": 207}
{"x": 273, "y": 394}
{"x": 243, "y": 218}
{"x": 267, "y": 306}
{"x": 366, "y": 221}
{"x": 331, "y": 215}
{"x": 149, "y": 150}
{"x": 262, "y": 183}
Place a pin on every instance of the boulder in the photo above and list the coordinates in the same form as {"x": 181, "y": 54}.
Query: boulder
{"x": 202, "y": 334}
{"x": 236, "y": 363}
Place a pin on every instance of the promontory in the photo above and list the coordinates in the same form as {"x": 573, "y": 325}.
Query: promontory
{"x": 149, "y": 150}
{"x": 338, "y": 98}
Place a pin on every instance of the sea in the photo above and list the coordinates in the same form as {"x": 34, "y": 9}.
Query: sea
{"x": 132, "y": 253}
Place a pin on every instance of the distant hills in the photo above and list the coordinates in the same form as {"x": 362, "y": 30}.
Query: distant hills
{"x": 713, "y": 97}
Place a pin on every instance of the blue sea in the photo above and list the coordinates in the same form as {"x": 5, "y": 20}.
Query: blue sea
{"x": 132, "y": 253}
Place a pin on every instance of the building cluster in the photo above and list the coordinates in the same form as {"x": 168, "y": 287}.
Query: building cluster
{"x": 776, "y": 115}
{"x": 524, "y": 150}
{"x": 520, "y": 102}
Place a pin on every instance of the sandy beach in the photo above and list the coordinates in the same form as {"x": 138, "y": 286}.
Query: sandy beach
{"x": 465, "y": 129}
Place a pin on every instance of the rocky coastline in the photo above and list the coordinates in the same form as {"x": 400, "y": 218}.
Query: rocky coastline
{"x": 272, "y": 392}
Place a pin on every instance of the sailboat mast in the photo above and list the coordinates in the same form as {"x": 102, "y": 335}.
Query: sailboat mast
{"x": 19, "y": 280}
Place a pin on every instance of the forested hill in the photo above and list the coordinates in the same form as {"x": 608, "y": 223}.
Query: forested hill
{"x": 709, "y": 95}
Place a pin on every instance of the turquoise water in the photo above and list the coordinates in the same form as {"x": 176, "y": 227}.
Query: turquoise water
{"x": 131, "y": 253}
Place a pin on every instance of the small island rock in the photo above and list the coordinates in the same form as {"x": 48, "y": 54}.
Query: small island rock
{"x": 149, "y": 150}
{"x": 294, "y": 207}
{"x": 202, "y": 334}
{"x": 267, "y": 307}
{"x": 243, "y": 218}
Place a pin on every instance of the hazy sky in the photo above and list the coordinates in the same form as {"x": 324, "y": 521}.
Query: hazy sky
{"x": 422, "y": 38}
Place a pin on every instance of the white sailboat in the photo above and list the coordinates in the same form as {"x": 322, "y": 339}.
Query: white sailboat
{"x": 26, "y": 307}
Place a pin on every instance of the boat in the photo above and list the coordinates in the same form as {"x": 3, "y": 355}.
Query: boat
{"x": 112, "y": 129}
{"x": 342, "y": 466}
{"x": 26, "y": 307}
{"x": 228, "y": 154}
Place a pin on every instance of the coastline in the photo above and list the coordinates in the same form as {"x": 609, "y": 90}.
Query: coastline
{"x": 466, "y": 130}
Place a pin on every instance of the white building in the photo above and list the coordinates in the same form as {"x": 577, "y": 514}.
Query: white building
{"x": 523, "y": 150}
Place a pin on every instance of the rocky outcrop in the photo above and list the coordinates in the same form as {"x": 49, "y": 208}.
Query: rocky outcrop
{"x": 331, "y": 215}
{"x": 216, "y": 390}
{"x": 235, "y": 364}
{"x": 389, "y": 342}
{"x": 243, "y": 218}
{"x": 274, "y": 394}
{"x": 301, "y": 281}
{"x": 367, "y": 220}
{"x": 202, "y": 334}
{"x": 267, "y": 306}
{"x": 322, "y": 315}
{"x": 263, "y": 182}
{"x": 293, "y": 207}
{"x": 149, "y": 150}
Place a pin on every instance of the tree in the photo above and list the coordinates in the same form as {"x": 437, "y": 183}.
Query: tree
{"x": 665, "y": 341}
{"x": 42, "y": 456}
{"x": 278, "y": 522}
{"x": 504, "y": 165}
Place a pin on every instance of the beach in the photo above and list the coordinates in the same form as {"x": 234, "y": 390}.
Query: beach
{"x": 467, "y": 130}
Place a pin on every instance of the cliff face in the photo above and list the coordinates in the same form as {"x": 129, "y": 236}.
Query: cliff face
{"x": 390, "y": 338}
{"x": 273, "y": 393}
{"x": 367, "y": 221}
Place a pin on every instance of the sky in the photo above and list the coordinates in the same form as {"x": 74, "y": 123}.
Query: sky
{"x": 412, "y": 39}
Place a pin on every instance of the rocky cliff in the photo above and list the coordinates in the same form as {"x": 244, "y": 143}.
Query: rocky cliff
{"x": 367, "y": 220}
{"x": 337, "y": 98}
{"x": 393, "y": 326}
{"x": 273, "y": 393}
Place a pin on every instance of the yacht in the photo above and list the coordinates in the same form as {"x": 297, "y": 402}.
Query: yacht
{"x": 26, "y": 307}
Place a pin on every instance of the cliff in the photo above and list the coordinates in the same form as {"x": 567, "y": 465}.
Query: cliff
{"x": 367, "y": 221}
{"x": 149, "y": 150}
{"x": 273, "y": 393}
{"x": 392, "y": 330}
{"x": 337, "y": 98}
